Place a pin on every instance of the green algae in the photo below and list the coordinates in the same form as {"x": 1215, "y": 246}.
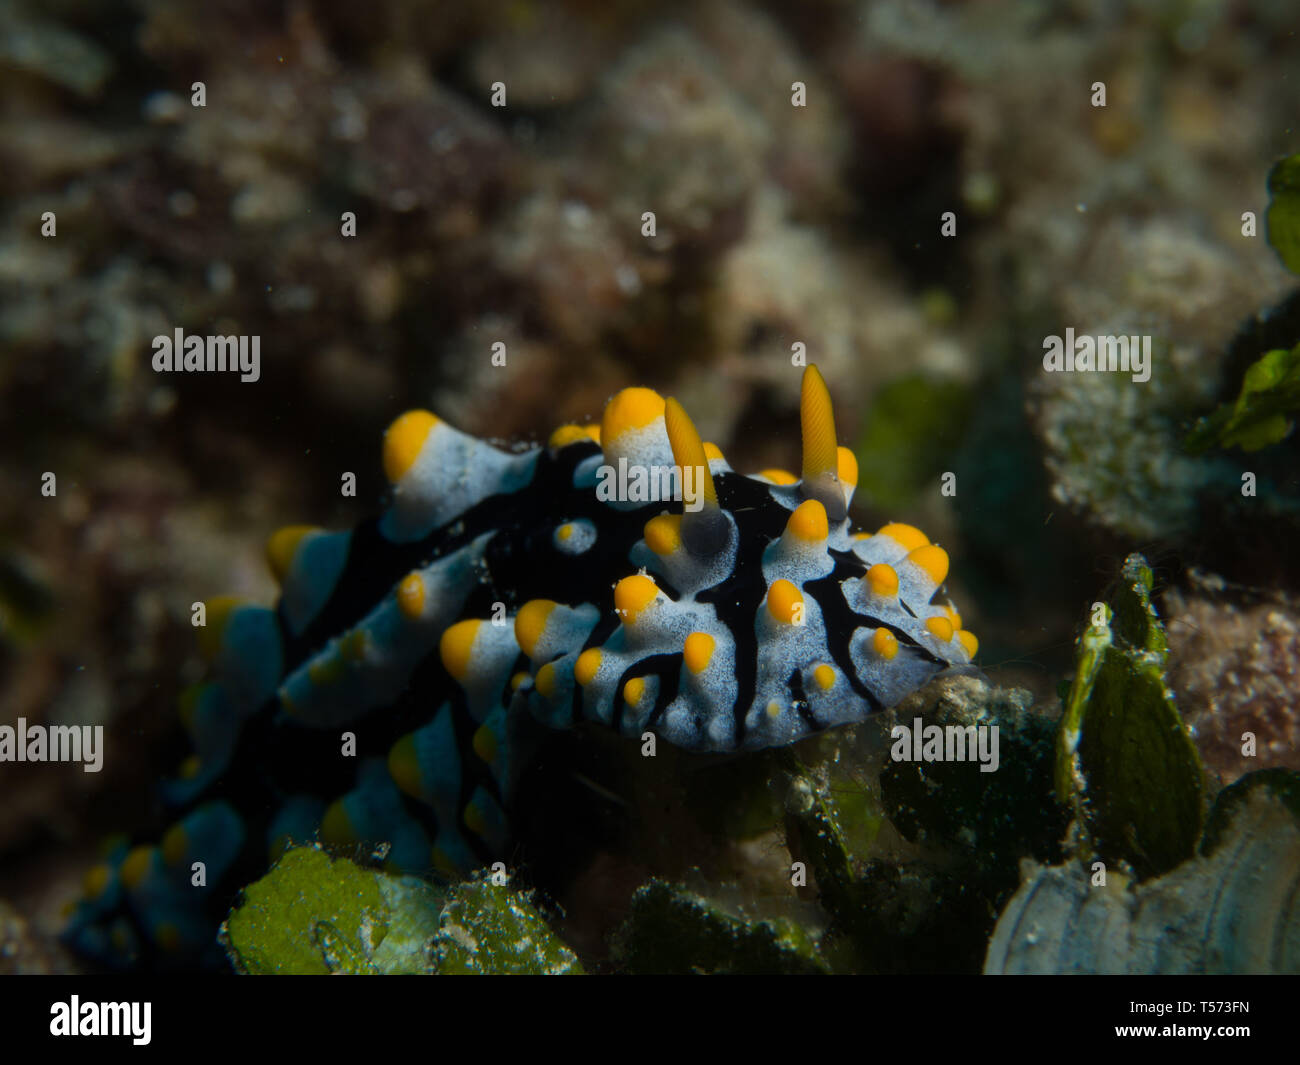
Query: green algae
{"x": 672, "y": 929}
{"x": 1263, "y": 412}
{"x": 313, "y": 914}
{"x": 1283, "y": 216}
{"x": 913, "y": 427}
{"x": 307, "y": 911}
{"x": 490, "y": 929}
{"x": 1124, "y": 760}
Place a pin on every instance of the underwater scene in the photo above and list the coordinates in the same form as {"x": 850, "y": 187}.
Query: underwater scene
{"x": 720, "y": 487}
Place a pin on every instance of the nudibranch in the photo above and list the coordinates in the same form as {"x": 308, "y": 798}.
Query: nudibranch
{"x": 559, "y": 584}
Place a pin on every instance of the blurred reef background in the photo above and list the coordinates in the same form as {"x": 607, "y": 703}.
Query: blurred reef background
{"x": 776, "y": 225}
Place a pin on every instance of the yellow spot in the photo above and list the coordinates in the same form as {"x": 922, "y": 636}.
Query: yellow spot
{"x": 885, "y": 643}
{"x": 404, "y": 441}
{"x": 587, "y": 666}
{"x": 847, "y": 467}
{"x": 663, "y": 535}
{"x": 631, "y": 409}
{"x": 817, "y": 421}
{"x": 713, "y": 453}
{"x": 517, "y": 680}
{"x": 824, "y": 675}
{"x": 325, "y": 670}
{"x": 410, "y": 596}
{"x": 216, "y": 615}
{"x": 404, "y": 766}
{"x": 137, "y": 866}
{"x": 190, "y": 767}
{"x": 862, "y": 536}
{"x": 485, "y": 744}
{"x": 353, "y": 646}
{"x": 932, "y": 559}
{"x": 688, "y": 450}
{"x": 633, "y": 690}
{"x": 778, "y": 476}
{"x": 697, "y": 651}
{"x": 167, "y": 936}
{"x": 282, "y": 545}
{"x": 882, "y": 580}
{"x": 808, "y": 522}
{"x": 336, "y": 826}
{"x": 774, "y": 710}
{"x": 784, "y": 602}
{"x": 457, "y": 647}
{"x": 188, "y": 704}
{"x": 174, "y": 844}
{"x": 908, "y": 537}
{"x": 968, "y": 641}
{"x": 573, "y": 434}
{"x": 474, "y": 819}
{"x": 96, "y": 880}
{"x": 940, "y": 627}
{"x": 545, "y": 681}
{"x": 632, "y": 595}
{"x": 953, "y": 616}
{"x": 530, "y": 623}
{"x": 564, "y": 531}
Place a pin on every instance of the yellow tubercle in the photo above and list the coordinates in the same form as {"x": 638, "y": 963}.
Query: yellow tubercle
{"x": 336, "y": 827}
{"x": 663, "y": 534}
{"x": 940, "y": 628}
{"x": 824, "y": 675}
{"x": 530, "y": 623}
{"x": 457, "y": 647}
{"x": 404, "y": 440}
{"x": 633, "y": 690}
{"x": 282, "y": 545}
{"x": 908, "y": 537}
{"x": 136, "y": 866}
{"x": 882, "y": 579}
{"x": 785, "y": 603}
{"x": 698, "y": 651}
{"x": 884, "y": 643}
{"x": 573, "y": 434}
{"x": 808, "y": 522}
{"x": 404, "y": 766}
{"x": 216, "y": 614}
{"x": 632, "y": 595}
{"x": 485, "y": 744}
{"x": 968, "y": 641}
{"x": 544, "y": 682}
{"x": 933, "y": 560}
{"x": 847, "y": 467}
{"x": 174, "y": 844}
{"x": 629, "y": 410}
{"x": 587, "y": 666}
{"x": 410, "y": 596}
